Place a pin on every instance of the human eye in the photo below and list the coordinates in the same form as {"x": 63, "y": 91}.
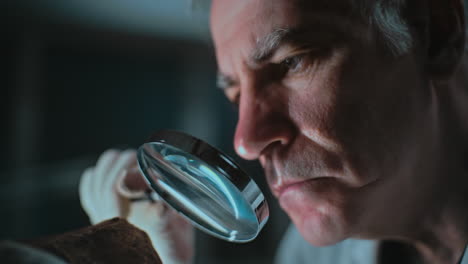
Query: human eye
{"x": 302, "y": 62}
{"x": 230, "y": 88}
{"x": 293, "y": 64}
{"x": 298, "y": 65}
{"x": 233, "y": 96}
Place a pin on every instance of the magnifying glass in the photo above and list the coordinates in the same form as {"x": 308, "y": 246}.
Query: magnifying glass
{"x": 204, "y": 185}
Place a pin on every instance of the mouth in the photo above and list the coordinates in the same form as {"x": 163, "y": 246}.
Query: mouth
{"x": 282, "y": 180}
{"x": 301, "y": 166}
{"x": 281, "y": 188}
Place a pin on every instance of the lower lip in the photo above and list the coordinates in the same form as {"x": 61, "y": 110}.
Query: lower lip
{"x": 297, "y": 186}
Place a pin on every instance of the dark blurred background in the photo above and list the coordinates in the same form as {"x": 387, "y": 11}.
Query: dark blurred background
{"x": 82, "y": 76}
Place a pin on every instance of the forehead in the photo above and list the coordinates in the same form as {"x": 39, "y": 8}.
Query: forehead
{"x": 279, "y": 10}
{"x": 237, "y": 25}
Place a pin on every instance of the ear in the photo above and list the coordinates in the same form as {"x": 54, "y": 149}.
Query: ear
{"x": 446, "y": 38}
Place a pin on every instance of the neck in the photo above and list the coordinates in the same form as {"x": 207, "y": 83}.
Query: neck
{"x": 443, "y": 237}
{"x": 443, "y": 240}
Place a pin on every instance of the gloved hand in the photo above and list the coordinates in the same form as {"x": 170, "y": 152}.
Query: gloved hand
{"x": 106, "y": 191}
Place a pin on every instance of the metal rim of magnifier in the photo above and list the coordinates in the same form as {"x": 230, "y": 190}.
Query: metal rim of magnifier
{"x": 217, "y": 160}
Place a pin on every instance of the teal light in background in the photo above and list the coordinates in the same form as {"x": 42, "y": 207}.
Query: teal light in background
{"x": 171, "y": 18}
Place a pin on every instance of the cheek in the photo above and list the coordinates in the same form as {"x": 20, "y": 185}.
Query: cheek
{"x": 366, "y": 109}
{"x": 313, "y": 103}
{"x": 312, "y": 106}
{"x": 378, "y": 109}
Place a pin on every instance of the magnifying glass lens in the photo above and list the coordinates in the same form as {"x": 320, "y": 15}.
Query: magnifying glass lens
{"x": 220, "y": 204}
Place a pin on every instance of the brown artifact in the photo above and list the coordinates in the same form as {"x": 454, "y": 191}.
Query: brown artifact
{"x": 113, "y": 241}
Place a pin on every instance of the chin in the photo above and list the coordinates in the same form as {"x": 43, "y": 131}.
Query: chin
{"x": 320, "y": 231}
{"x": 321, "y": 222}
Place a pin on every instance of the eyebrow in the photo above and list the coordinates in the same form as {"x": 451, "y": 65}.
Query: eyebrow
{"x": 267, "y": 45}
{"x": 321, "y": 28}
{"x": 265, "y": 48}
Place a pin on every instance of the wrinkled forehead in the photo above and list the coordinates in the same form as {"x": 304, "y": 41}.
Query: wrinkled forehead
{"x": 251, "y": 20}
{"x": 226, "y": 14}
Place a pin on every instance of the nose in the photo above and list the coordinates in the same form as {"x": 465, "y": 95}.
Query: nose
{"x": 263, "y": 121}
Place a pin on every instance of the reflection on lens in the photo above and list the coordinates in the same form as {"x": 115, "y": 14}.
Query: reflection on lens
{"x": 201, "y": 193}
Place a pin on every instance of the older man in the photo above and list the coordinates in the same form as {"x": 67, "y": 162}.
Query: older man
{"x": 358, "y": 112}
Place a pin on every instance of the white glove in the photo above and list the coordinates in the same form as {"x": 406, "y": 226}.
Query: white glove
{"x": 106, "y": 191}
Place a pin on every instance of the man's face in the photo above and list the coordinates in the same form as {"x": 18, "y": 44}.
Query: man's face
{"x": 335, "y": 122}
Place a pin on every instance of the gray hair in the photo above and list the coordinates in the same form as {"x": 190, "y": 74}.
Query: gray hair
{"x": 386, "y": 17}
